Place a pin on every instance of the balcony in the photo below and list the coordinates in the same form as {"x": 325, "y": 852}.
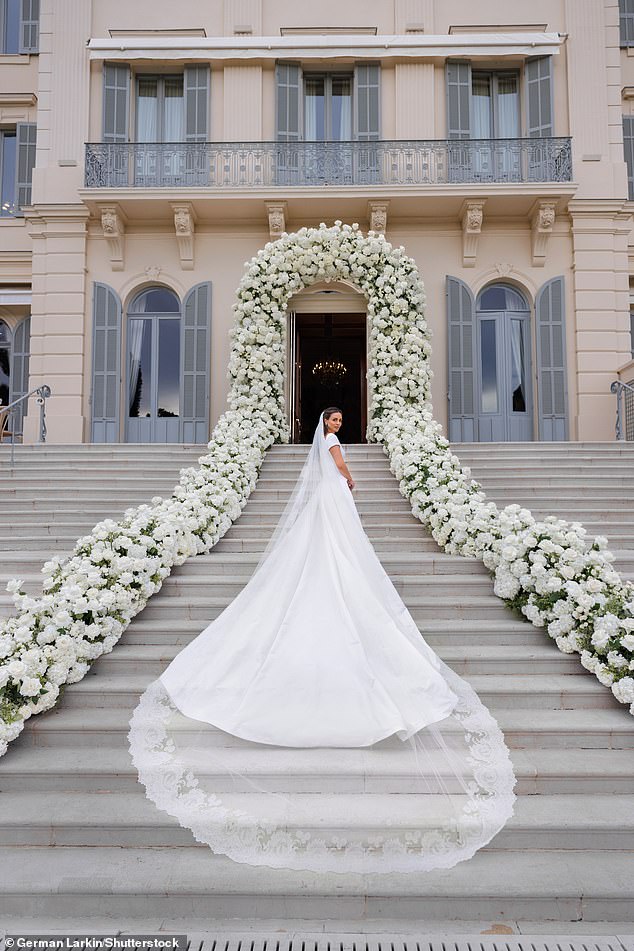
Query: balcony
{"x": 230, "y": 166}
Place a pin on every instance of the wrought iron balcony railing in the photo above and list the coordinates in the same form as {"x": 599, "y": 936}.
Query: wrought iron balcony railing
{"x": 220, "y": 165}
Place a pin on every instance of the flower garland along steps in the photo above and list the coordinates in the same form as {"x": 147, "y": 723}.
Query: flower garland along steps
{"x": 548, "y": 570}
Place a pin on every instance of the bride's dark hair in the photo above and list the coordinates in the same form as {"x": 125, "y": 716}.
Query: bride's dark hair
{"x": 328, "y": 413}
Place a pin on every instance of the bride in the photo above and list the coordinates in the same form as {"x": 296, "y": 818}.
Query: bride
{"x": 310, "y": 725}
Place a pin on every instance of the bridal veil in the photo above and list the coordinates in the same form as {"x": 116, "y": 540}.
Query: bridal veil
{"x": 310, "y": 726}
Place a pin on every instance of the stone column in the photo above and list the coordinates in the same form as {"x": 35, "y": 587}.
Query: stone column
{"x": 600, "y": 322}
{"x": 59, "y": 328}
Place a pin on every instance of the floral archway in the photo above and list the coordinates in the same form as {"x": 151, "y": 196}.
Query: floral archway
{"x": 547, "y": 569}
{"x": 399, "y": 350}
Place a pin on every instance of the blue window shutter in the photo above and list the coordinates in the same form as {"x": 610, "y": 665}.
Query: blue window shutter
{"x": 552, "y": 389}
{"x": 288, "y": 99}
{"x": 20, "y": 370}
{"x": 367, "y": 84}
{"x": 539, "y": 96}
{"x": 458, "y": 93}
{"x": 195, "y": 356}
{"x": 26, "y": 136}
{"x": 196, "y": 85}
{"x": 106, "y": 363}
{"x": 461, "y": 350}
{"x": 116, "y": 102}
{"x": 29, "y": 26}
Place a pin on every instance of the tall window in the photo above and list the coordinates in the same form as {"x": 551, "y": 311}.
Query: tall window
{"x": 327, "y": 107}
{"x": 626, "y": 10}
{"x": 19, "y": 26}
{"x": 8, "y": 174}
{"x": 10, "y": 26}
{"x": 160, "y": 109}
{"x": 495, "y": 102}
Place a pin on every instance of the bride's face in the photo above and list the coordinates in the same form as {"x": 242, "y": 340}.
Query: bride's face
{"x": 333, "y": 423}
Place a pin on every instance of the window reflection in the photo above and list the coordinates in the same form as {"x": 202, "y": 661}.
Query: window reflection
{"x": 140, "y": 345}
{"x": 488, "y": 357}
{"x": 169, "y": 368}
{"x": 158, "y": 300}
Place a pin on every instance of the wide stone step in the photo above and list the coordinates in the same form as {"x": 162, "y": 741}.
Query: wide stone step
{"x": 523, "y": 728}
{"x": 243, "y": 564}
{"x": 131, "y": 883}
{"x": 461, "y": 606}
{"x": 538, "y": 771}
{"x": 436, "y": 631}
{"x": 397, "y": 509}
{"x": 151, "y": 660}
{"x": 32, "y": 819}
{"x": 545, "y": 691}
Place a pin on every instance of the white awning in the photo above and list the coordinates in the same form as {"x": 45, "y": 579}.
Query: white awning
{"x": 311, "y": 46}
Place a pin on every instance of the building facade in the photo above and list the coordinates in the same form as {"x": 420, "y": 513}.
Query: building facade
{"x": 148, "y": 150}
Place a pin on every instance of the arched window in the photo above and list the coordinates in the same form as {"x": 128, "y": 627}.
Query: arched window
{"x": 504, "y": 389}
{"x": 153, "y": 367}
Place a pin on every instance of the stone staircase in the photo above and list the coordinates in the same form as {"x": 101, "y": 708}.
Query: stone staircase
{"x": 78, "y": 839}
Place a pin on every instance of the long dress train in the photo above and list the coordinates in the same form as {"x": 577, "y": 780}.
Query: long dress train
{"x": 310, "y": 725}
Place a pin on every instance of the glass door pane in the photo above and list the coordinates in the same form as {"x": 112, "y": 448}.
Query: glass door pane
{"x": 140, "y": 368}
{"x": 314, "y": 109}
{"x": 518, "y": 366}
{"x": 173, "y": 129}
{"x": 507, "y": 107}
{"x": 174, "y": 108}
{"x": 5, "y": 371}
{"x": 482, "y": 110}
{"x": 7, "y": 161}
{"x": 168, "y": 401}
{"x": 147, "y": 110}
{"x": 489, "y": 402}
{"x": 341, "y": 109}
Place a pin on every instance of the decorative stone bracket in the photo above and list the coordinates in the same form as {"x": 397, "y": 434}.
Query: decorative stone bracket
{"x": 276, "y": 212}
{"x": 113, "y": 223}
{"x": 472, "y": 215}
{"x": 377, "y": 214}
{"x": 185, "y": 225}
{"x": 542, "y": 223}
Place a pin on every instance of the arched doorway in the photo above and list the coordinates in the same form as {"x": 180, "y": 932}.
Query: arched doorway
{"x": 327, "y": 360}
{"x": 153, "y": 367}
{"x": 503, "y": 348}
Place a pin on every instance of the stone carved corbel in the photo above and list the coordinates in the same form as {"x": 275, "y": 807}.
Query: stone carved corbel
{"x": 185, "y": 225}
{"x": 542, "y": 224}
{"x": 276, "y": 212}
{"x": 377, "y": 213}
{"x": 472, "y": 215}
{"x": 113, "y": 225}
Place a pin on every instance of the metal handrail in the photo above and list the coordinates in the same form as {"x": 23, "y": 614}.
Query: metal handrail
{"x": 618, "y": 387}
{"x": 42, "y": 392}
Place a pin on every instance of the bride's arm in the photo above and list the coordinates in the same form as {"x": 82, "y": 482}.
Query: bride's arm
{"x": 341, "y": 465}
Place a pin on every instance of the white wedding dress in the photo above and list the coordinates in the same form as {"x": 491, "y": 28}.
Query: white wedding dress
{"x": 310, "y": 725}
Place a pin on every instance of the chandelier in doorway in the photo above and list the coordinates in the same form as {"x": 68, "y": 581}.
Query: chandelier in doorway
{"x": 329, "y": 371}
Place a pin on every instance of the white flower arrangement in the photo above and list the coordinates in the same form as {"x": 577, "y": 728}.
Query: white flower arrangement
{"x": 548, "y": 570}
